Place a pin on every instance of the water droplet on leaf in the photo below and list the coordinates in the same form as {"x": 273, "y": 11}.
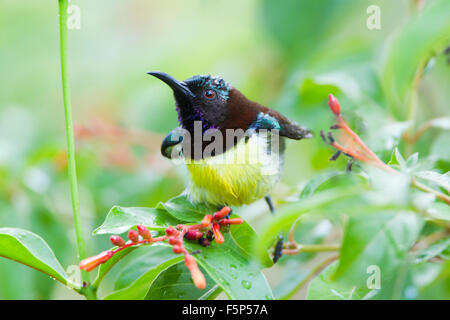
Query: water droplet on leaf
{"x": 246, "y": 284}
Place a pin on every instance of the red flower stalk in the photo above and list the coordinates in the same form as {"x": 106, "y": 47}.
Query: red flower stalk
{"x": 355, "y": 147}
{"x": 217, "y": 234}
{"x": 231, "y": 221}
{"x": 117, "y": 241}
{"x": 144, "y": 232}
{"x": 175, "y": 237}
{"x": 196, "y": 274}
{"x": 91, "y": 263}
{"x": 133, "y": 236}
{"x": 222, "y": 213}
{"x": 207, "y": 220}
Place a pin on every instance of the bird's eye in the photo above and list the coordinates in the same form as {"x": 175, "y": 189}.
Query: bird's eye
{"x": 210, "y": 94}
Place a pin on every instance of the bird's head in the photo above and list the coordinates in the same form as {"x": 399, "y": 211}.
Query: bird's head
{"x": 199, "y": 98}
{"x": 218, "y": 105}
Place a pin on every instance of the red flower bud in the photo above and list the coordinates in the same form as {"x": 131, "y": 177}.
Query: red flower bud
{"x": 217, "y": 234}
{"x": 91, "y": 263}
{"x": 196, "y": 274}
{"x": 333, "y": 103}
{"x": 171, "y": 231}
{"x": 173, "y": 240}
{"x": 144, "y": 232}
{"x": 117, "y": 241}
{"x": 194, "y": 234}
{"x": 231, "y": 221}
{"x": 222, "y": 213}
{"x": 133, "y": 236}
{"x": 207, "y": 220}
{"x": 176, "y": 249}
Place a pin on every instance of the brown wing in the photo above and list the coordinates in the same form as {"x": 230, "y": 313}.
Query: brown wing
{"x": 242, "y": 112}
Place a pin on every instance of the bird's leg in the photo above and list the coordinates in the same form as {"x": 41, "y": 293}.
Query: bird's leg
{"x": 279, "y": 246}
{"x": 270, "y": 204}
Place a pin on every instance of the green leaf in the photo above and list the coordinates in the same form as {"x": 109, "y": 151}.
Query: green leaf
{"x": 425, "y": 34}
{"x": 175, "y": 283}
{"x": 388, "y": 136}
{"x": 182, "y": 209}
{"x": 389, "y": 188}
{"x": 105, "y": 267}
{"x": 293, "y": 276}
{"x": 405, "y": 166}
{"x": 315, "y": 91}
{"x": 432, "y": 251}
{"x": 320, "y": 204}
{"x": 228, "y": 264}
{"x": 323, "y": 287}
{"x": 176, "y": 210}
{"x": 232, "y": 269}
{"x": 437, "y": 150}
{"x": 30, "y": 249}
{"x": 299, "y": 27}
{"x": 412, "y": 160}
{"x": 136, "y": 278}
{"x": 439, "y": 288}
{"x": 408, "y": 280}
{"x": 329, "y": 180}
{"x": 138, "y": 289}
{"x": 244, "y": 236}
{"x": 445, "y": 254}
{"x": 140, "y": 261}
{"x": 442, "y": 180}
{"x": 442, "y": 123}
{"x": 397, "y": 160}
{"x": 121, "y": 219}
{"x": 439, "y": 210}
{"x": 381, "y": 239}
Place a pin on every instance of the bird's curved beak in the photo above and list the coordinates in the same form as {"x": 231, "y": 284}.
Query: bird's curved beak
{"x": 178, "y": 87}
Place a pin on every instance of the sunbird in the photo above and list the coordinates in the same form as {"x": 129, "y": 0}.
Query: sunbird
{"x": 227, "y": 173}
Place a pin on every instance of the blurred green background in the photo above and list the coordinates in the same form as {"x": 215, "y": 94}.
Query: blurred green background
{"x": 288, "y": 55}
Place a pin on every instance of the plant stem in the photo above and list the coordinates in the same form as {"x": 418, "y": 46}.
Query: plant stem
{"x": 412, "y": 103}
{"x": 69, "y": 133}
{"x": 311, "y": 248}
{"x": 413, "y": 138}
{"x": 89, "y": 292}
{"x": 425, "y": 188}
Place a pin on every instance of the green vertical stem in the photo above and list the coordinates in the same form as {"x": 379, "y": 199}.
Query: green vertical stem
{"x": 412, "y": 103}
{"x": 69, "y": 133}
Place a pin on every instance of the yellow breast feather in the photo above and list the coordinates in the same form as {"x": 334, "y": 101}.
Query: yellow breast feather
{"x": 242, "y": 175}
